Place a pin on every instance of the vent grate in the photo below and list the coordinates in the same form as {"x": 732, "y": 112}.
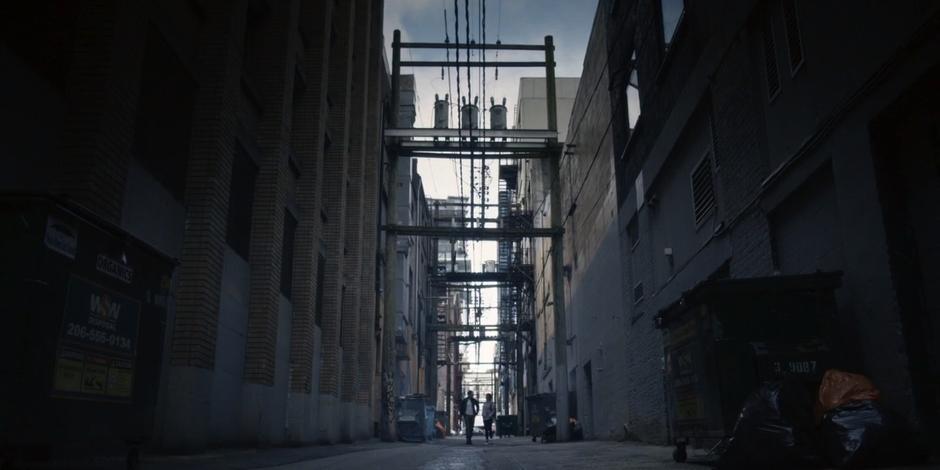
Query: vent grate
{"x": 770, "y": 61}
{"x": 794, "y": 42}
{"x": 703, "y": 190}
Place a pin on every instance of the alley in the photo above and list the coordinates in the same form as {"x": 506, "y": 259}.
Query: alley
{"x": 501, "y": 454}
{"x": 513, "y": 453}
{"x": 305, "y": 234}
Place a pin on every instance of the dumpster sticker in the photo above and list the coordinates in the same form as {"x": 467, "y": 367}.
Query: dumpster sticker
{"x": 68, "y": 371}
{"x": 80, "y": 374}
{"x": 114, "y": 268}
{"x": 61, "y": 238}
{"x": 100, "y": 319}
{"x": 95, "y": 375}
{"x": 98, "y": 342}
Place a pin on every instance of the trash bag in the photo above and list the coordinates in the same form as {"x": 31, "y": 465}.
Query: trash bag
{"x": 839, "y": 387}
{"x": 774, "y": 429}
{"x": 866, "y": 434}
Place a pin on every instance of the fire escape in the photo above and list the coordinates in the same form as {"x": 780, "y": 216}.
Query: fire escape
{"x": 513, "y": 279}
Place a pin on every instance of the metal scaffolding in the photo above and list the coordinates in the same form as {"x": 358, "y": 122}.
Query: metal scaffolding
{"x": 514, "y": 330}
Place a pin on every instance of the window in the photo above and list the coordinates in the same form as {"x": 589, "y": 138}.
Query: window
{"x": 287, "y": 253}
{"x": 240, "y": 201}
{"x": 632, "y": 94}
{"x": 794, "y": 42}
{"x": 770, "y": 61}
{"x": 638, "y": 292}
{"x": 633, "y": 232}
{"x": 672, "y": 14}
{"x": 318, "y": 305}
{"x": 703, "y": 190}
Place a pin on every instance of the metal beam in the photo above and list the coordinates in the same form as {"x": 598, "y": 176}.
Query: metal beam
{"x": 473, "y": 339}
{"x": 525, "y": 154}
{"x": 474, "y": 64}
{"x": 445, "y": 45}
{"x": 455, "y": 133}
{"x": 479, "y": 145}
{"x": 472, "y": 233}
{"x": 458, "y": 277}
{"x": 467, "y": 285}
{"x": 444, "y": 203}
{"x": 466, "y": 220}
{"x": 469, "y": 328}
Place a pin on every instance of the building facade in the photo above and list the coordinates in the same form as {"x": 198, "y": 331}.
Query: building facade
{"x": 533, "y": 194}
{"x": 755, "y": 139}
{"x": 242, "y": 138}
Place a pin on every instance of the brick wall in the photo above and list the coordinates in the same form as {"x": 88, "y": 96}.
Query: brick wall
{"x": 370, "y": 217}
{"x": 209, "y": 174}
{"x": 102, "y": 86}
{"x": 352, "y": 253}
{"x": 273, "y": 74}
{"x": 334, "y": 190}
{"x": 307, "y": 136}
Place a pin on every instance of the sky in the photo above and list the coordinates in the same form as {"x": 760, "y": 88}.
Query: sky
{"x": 511, "y": 22}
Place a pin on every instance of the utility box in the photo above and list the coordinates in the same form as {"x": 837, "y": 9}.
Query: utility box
{"x": 86, "y": 314}
{"x": 724, "y": 337}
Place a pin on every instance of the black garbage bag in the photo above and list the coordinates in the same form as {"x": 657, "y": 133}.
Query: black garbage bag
{"x": 773, "y": 430}
{"x": 866, "y": 434}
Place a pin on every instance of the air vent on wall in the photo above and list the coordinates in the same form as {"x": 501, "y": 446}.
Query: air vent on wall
{"x": 703, "y": 190}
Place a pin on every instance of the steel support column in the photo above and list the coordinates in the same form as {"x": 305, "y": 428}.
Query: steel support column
{"x": 558, "y": 256}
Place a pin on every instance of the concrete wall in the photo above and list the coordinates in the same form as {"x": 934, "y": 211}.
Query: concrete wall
{"x": 794, "y": 174}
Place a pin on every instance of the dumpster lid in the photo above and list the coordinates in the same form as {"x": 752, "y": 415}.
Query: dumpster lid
{"x": 86, "y": 214}
{"x": 711, "y": 289}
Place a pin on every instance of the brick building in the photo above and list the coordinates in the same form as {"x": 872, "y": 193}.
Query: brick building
{"x": 752, "y": 139}
{"x": 242, "y": 138}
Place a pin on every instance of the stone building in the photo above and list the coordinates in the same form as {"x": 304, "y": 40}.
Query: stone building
{"x": 242, "y": 138}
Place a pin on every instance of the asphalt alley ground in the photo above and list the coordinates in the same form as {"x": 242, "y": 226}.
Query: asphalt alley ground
{"x": 500, "y": 454}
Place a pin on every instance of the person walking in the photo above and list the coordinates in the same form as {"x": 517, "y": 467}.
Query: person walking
{"x": 469, "y": 407}
{"x": 489, "y": 414}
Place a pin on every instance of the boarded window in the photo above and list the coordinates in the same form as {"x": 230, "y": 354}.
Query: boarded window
{"x": 241, "y": 198}
{"x": 287, "y": 253}
{"x": 163, "y": 126}
{"x": 703, "y": 190}
{"x": 633, "y": 232}
{"x": 638, "y": 292}
{"x": 318, "y": 307}
{"x": 794, "y": 42}
{"x": 770, "y": 60}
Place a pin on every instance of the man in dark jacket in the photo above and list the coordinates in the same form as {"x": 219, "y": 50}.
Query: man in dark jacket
{"x": 469, "y": 407}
